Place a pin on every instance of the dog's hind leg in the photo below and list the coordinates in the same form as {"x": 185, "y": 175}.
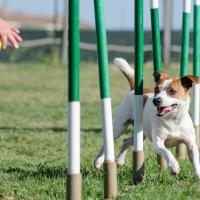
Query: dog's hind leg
{"x": 100, "y": 158}
{"x": 123, "y": 118}
{"x": 118, "y": 129}
{"x": 122, "y": 154}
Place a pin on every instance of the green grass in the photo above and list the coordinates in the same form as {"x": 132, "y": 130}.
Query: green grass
{"x": 33, "y": 138}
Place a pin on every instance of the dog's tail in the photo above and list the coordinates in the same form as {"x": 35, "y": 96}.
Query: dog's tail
{"x": 126, "y": 69}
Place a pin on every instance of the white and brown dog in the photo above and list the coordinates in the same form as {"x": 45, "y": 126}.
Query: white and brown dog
{"x": 166, "y": 121}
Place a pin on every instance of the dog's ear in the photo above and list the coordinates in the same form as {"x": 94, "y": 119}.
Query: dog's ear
{"x": 188, "y": 80}
{"x": 159, "y": 75}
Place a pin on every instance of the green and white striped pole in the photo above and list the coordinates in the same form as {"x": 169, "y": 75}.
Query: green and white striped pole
{"x": 157, "y": 58}
{"x": 73, "y": 172}
{"x": 155, "y": 27}
{"x": 110, "y": 168}
{"x": 196, "y": 69}
{"x": 185, "y": 40}
{"x": 138, "y": 154}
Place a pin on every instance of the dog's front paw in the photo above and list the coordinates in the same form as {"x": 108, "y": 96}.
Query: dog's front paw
{"x": 98, "y": 163}
{"x": 174, "y": 167}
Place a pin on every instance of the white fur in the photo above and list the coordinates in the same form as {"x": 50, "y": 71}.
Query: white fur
{"x": 174, "y": 126}
{"x": 122, "y": 64}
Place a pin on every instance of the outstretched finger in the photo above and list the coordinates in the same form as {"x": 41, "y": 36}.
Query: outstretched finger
{"x": 13, "y": 41}
{"x": 16, "y": 30}
{"x": 17, "y": 37}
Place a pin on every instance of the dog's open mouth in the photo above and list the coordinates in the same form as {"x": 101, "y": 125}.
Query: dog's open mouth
{"x": 165, "y": 109}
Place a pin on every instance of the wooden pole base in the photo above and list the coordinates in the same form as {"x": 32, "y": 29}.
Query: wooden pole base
{"x": 74, "y": 187}
{"x": 181, "y": 151}
{"x": 162, "y": 163}
{"x": 110, "y": 180}
{"x": 138, "y": 166}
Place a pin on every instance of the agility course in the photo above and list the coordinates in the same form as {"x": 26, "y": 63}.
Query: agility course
{"x": 110, "y": 170}
{"x": 34, "y": 95}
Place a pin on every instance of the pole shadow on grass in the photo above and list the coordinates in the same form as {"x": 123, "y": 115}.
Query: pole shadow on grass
{"x": 43, "y": 129}
{"x": 42, "y": 171}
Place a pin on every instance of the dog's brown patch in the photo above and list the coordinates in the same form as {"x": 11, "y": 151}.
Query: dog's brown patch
{"x": 159, "y": 75}
{"x": 176, "y": 90}
{"x": 188, "y": 80}
{"x": 145, "y": 98}
{"x": 147, "y": 90}
{"x": 130, "y": 80}
{"x": 159, "y": 85}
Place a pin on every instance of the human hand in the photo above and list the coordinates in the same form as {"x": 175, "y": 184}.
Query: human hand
{"x": 9, "y": 34}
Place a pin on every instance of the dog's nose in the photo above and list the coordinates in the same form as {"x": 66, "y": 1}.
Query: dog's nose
{"x": 157, "y": 101}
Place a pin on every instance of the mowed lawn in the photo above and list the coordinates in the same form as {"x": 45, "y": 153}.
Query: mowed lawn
{"x": 33, "y": 129}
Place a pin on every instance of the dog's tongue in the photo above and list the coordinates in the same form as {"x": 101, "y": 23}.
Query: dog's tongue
{"x": 167, "y": 108}
{"x": 163, "y": 110}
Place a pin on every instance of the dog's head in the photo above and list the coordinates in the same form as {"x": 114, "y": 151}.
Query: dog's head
{"x": 171, "y": 95}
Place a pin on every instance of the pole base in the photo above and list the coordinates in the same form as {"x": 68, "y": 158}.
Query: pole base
{"x": 181, "y": 151}
{"x": 74, "y": 187}
{"x": 110, "y": 180}
{"x": 197, "y": 132}
{"x": 138, "y": 166}
{"x": 162, "y": 163}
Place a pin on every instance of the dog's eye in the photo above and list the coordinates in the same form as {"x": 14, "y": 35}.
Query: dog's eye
{"x": 171, "y": 91}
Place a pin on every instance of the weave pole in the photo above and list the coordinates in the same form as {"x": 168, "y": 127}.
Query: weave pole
{"x": 110, "y": 167}
{"x": 73, "y": 172}
{"x": 157, "y": 58}
{"x": 155, "y": 27}
{"x": 181, "y": 148}
{"x": 138, "y": 154}
{"x": 196, "y": 70}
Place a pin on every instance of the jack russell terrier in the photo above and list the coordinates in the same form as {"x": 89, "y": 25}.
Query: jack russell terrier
{"x": 166, "y": 121}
